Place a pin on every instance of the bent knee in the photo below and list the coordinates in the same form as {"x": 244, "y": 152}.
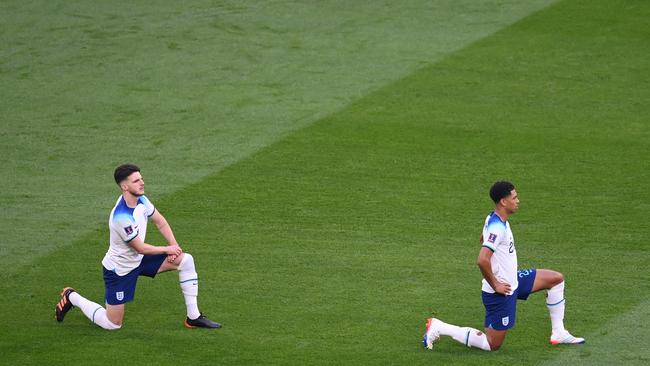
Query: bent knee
{"x": 495, "y": 346}
{"x": 115, "y": 319}
{"x": 186, "y": 262}
{"x": 495, "y": 341}
{"x": 187, "y": 257}
{"x": 549, "y": 278}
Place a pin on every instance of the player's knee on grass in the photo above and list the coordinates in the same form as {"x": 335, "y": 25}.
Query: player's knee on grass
{"x": 494, "y": 342}
{"x": 495, "y": 339}
{"x": 113, "y": 326}
{"x": 495, "y": 346}
{"x": 115, "y": 315}
{"x": 101, "y": 318}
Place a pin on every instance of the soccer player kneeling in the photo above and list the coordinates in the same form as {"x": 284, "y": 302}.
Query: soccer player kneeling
{"x": 503, "y": 284}
{"x": 129, "y": 257}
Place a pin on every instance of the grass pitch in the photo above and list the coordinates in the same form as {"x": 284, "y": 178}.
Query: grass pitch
{"x": 333, "y": 244}
{"x": 189, "y": 89}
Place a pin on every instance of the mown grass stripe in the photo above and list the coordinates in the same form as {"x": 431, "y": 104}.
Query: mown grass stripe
{"x": 185, "y": 89}
{"x": 333, "y": 245}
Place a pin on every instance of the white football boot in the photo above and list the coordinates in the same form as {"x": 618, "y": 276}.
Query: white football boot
{"x": 565, "y": 337}
{"x": 431, "y": 334}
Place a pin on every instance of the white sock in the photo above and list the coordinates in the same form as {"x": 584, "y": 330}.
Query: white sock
{"x": 93, "y": 311}
{"x": 555, "y": 304}
{"x": 189, "y": 285}
{"x": 465, "y": 335}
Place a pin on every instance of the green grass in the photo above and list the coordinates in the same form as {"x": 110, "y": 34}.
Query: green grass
{"x": 331, "y": 245}
{"x": 189, "y": 88}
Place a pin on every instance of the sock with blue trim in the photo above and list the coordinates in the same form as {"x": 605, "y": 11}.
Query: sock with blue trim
{"x": 475, "y": 338}
{"x": 93, "y": 311}
{"x": 189, "y": 285}
{"x": 468, "y": 336}
{"x": 555, "y": 304}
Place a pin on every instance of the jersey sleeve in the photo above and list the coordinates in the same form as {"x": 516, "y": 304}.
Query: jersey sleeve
{"x": 125, "y": 227}
{"x": 149, "y": 208}
{"x": 492, "y": 235}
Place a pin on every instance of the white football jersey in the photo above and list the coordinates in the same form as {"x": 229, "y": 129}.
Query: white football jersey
{"x": 498, "y": 238}
{"x": 125, "y": 223}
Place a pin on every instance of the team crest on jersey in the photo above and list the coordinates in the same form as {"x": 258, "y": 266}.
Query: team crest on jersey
{"x": 119, "y": 295}
{"x": 492, "y": 238}
{"x": 128, "y": 230}
{"x": 505, "y": 321}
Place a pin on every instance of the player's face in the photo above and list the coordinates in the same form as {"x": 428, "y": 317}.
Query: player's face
{"x": 511, "y": 202}
{"x": 134, "y": 184}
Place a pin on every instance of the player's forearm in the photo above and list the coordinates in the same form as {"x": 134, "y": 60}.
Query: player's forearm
{"x": 166, "y": 232}
{"x": 486, "y": 271}
{"x": 148, "y": 249}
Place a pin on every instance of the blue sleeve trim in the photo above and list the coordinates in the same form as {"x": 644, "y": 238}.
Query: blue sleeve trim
{"x": 154, "y": 211}
{"x": 486, "y": 246}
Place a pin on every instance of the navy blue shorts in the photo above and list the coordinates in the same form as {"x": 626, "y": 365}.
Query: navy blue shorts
{"x": 501, "y": 310}
{"x": 121, "y": 289}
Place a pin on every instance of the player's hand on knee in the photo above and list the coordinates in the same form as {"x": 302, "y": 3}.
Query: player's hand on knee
{"x": 174, "y": 250}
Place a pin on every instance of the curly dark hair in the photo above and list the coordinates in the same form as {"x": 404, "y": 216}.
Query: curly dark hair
{"x": 501, "y": 190}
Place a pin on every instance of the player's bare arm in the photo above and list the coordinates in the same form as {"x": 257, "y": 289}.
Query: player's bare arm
{"x": 129, "y": 257}
{"x": 148, "y": 249}
{"x": 485, "y": 266}
{"x": 166, "y": 231}
{"x": 498, "y": 255}
{"x": 164, "y": 228}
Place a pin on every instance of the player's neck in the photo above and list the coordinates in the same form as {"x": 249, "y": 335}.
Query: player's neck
{"x": 131, "y": 200}
{"x": 502, "y": 213}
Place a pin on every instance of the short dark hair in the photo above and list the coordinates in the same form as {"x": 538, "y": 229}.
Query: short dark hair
{"x": 123, "y": 171}
{"x": 501, "y": 190}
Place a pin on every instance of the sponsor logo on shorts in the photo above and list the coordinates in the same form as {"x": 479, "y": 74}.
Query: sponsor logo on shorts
{"x": 119, "y": 295}
{"x": 505, "y": 321}
{"x": 492, "y": 238}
